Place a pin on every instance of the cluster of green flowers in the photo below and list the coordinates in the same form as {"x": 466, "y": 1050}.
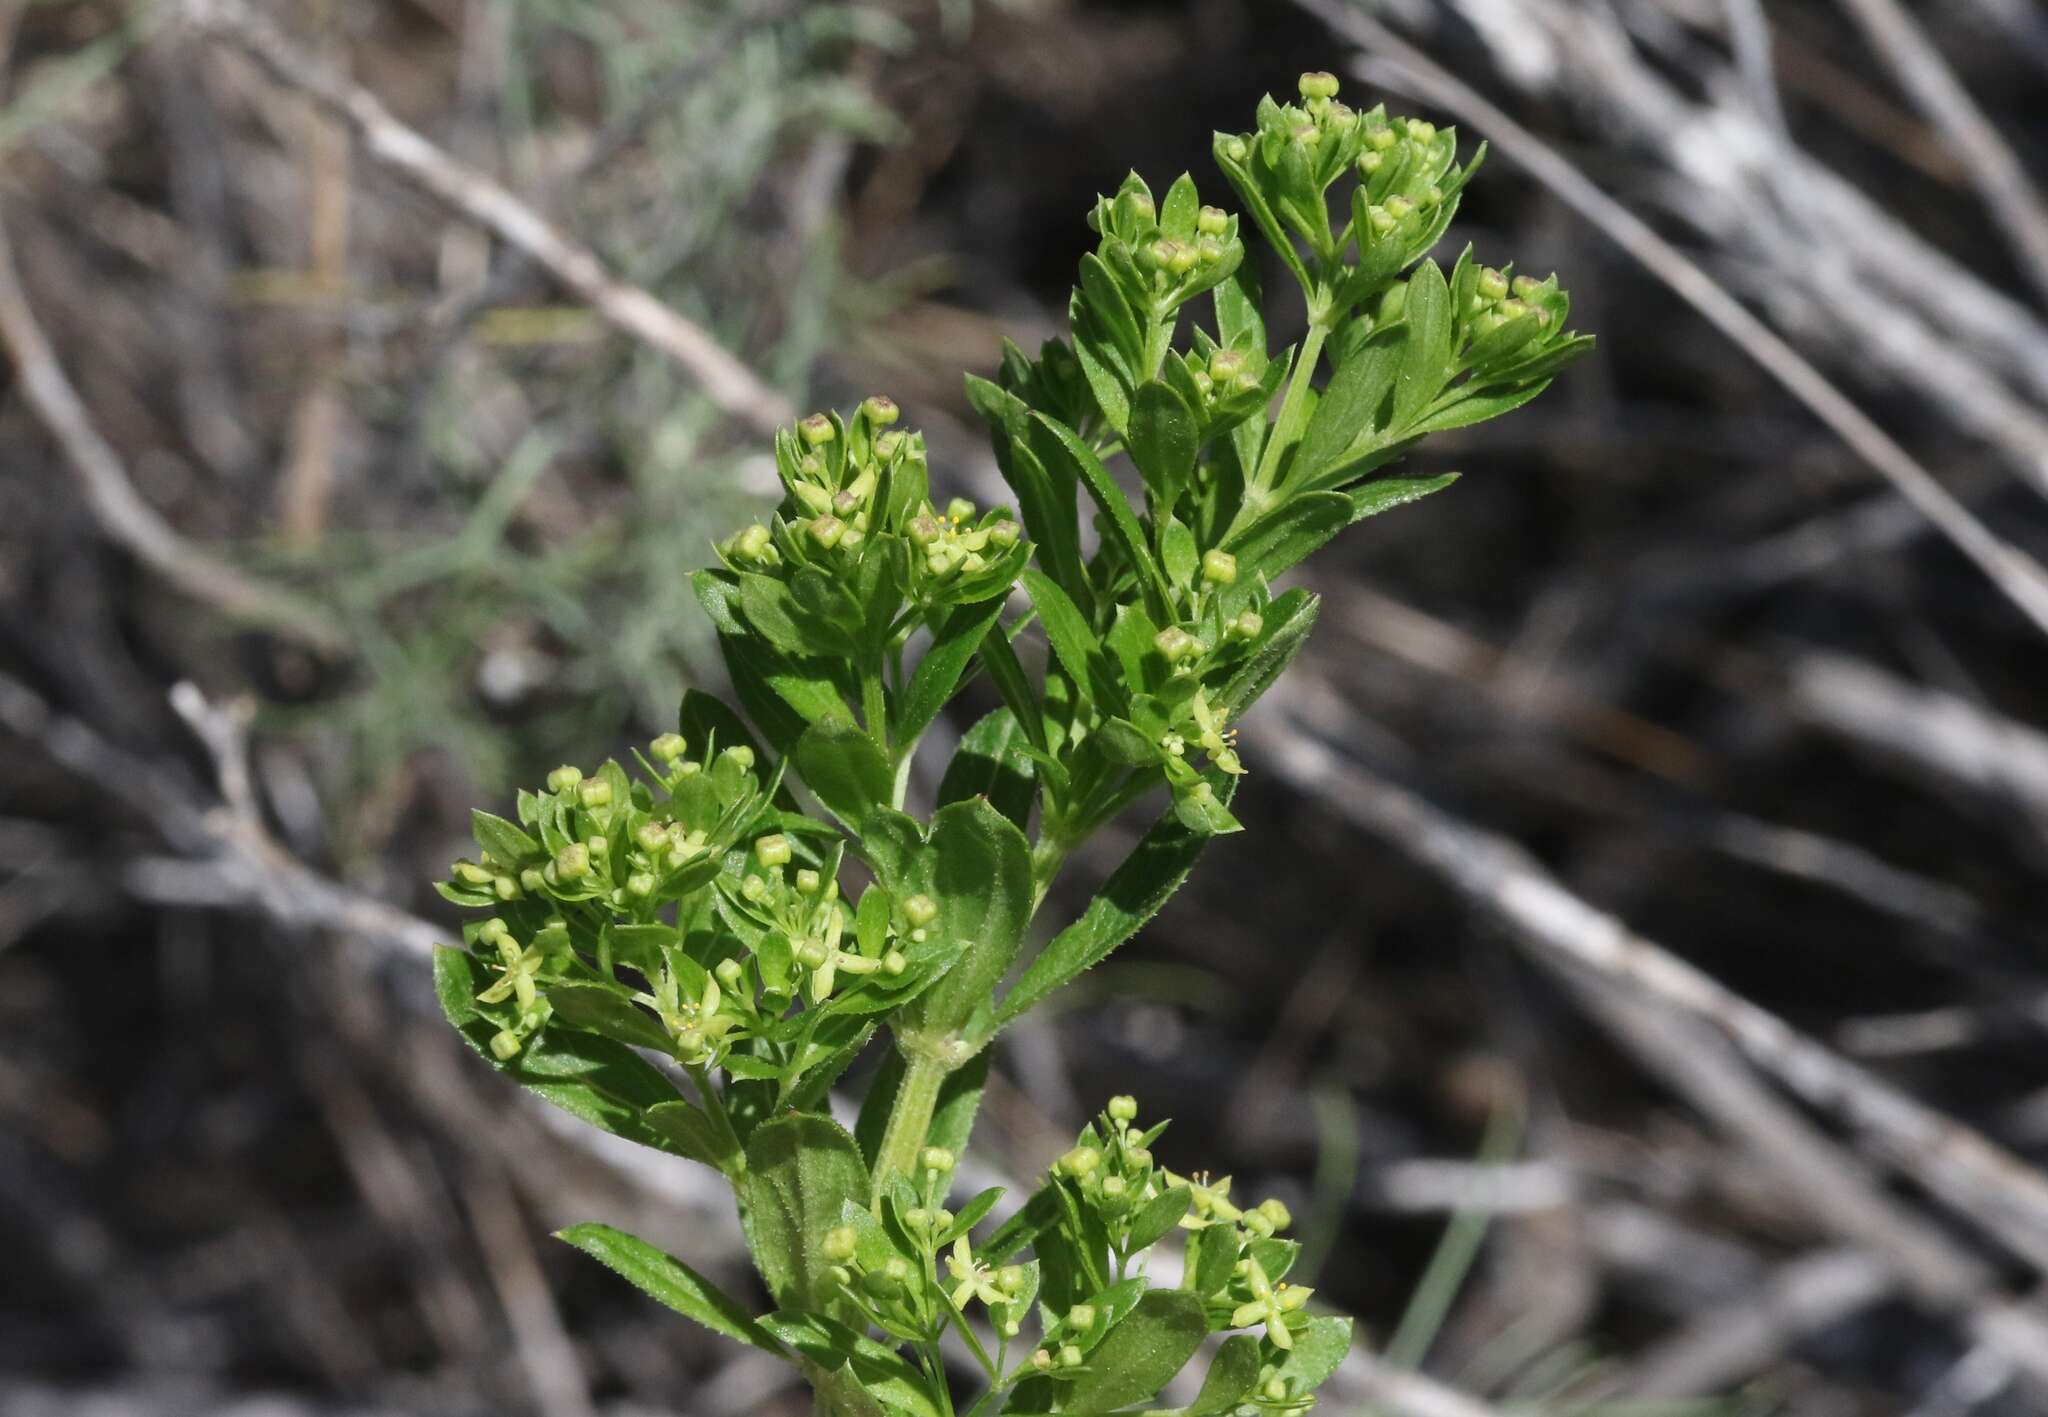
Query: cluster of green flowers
{"x": 858, "y": 496}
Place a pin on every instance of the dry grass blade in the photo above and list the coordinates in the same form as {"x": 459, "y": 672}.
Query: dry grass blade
{"x": 725, "y": 379}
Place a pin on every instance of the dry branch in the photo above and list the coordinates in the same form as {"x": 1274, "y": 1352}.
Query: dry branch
{"x": 725, "y": 379}
{"x": 1980, "y": 1180}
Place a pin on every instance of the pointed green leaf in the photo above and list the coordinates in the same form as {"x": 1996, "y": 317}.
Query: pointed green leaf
{"x": 1057, "y": 443}
{"x": 976, "y": 866}
{"x": 938, "y": 674}
{"x": 800, "y": 1169}
{"x": 992, "y": 762}
{"x": 1141, "y": 1354}
{"x": 1426, "y": 352}
{"x": 1386, "y": 493}
{"x": 845, "y": 770}
{"x": 671, "y": 1282}
{"x": 1290, "y": 532}
{"x": 1162, "y": 441}
{"x": 596, "y": 1009}
{"x": 1132, "y": 895}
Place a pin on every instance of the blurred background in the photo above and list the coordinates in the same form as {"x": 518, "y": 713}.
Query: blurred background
{"x": 1629, "y": 978}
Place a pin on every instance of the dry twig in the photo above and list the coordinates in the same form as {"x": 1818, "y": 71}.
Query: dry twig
{"x": 725, "y": 379}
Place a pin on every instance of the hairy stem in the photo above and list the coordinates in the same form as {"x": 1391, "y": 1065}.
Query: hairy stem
{"x": 1285, "y": 434}
{"x": 910, "y": 1118}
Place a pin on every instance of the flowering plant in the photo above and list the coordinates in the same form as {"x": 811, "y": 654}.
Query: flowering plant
{"x": 674, "y": 955}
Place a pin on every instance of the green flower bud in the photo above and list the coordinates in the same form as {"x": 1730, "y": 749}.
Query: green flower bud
{"x": 1204, "y": 385}
{"x": 740, "y": 754}
{"x": 668, "y": 747}
{"x": 651, "y": 836}
{"x": 1421, "y": 131}
{"x": 1369, "y": 162}
{"x": 1176, "y": 644}
{"x": 1430, "y": 197}
{"x": 755, "y": 544}
{"x": 887, "y": 444}
{"x": 754, "y": 889}
{"x": 960, "y": 510}
{"x": 808, "y": 881}
{"x": 596, "y": 792}
{"x": 772, "y": 850}
{"x": 812, "y": 954}
{"x": 1276, "y": 1213}
{"x": 1002, "y": 535}
{"x": 1081, "y": 1317}
{"x": 838, "y": 1245}
{"x": 817, "y": 430}
{"x": 845, "y": 504}
{"x": 471, "y": 874}
{"x": 936, "y": 1158}
{"x": 1159, "y": 255}
{"x": 1492, "y": 286}
{"x": 1070, "y": 1356}
{"x": 1245, "y": 383}
{"x": 920, "y": 910}
{"x": 1219, "y": 567}
{"x": 1123, "y": 1108}
{"x": 1225, "y": 365}
{"x": 880, "y": 410}
{"x": 883, "y": 1283}
{"x": 599, "y": 846}
{"x": 1512, "y": 309}
{"x": 918, "y": 1218}
{"x": 1308, "y": 135}
{"x": 817, "y": 500}
{"x": 729, "y": 973}
{"x": 1380, "y": 220}
{"x": 1247, "y": 625}
{"x": 1041, "y": 1360}
{"x": 1212, "y": 221}
{"x": 1399, "y": 207}
{"x": 1080, "y": 1162}
{"x": 827, "y": 530}
{"x": 1339, "y": 118}
{"x": 1185, "y": 258}
{"x": 1318, "y": 83}
{"x": 564, "y": 779}
{"x": 531, "y": 879}
{"x": 640, "y": 883}
{"x": 505, "y": 1045}
{"x": 1235, "y": 149}
{"x": 1011, "y": 1279}
{"x": 572, "y": 862}
{"x": 1381, "y": 139}
{"x": 924, "y": 530}
{"x": 1276, "y": 1389}
{"x": 506, "y": 888}
{"x": 1136, "y": 209}
{"x": 1113, "y": 1188}
{"x": 493, "y": 931}
{"x": 893, "y": 963}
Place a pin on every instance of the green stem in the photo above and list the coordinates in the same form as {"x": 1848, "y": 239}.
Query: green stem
{"x": 910, "y": 1118}
{"x": 714, "y": 1106}
{"x": 1285, "y": 433}
{"x": 1048, "y": 854}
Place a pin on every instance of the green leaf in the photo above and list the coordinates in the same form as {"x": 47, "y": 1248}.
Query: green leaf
{"x": 601, "y": 1082}
{"x": 1073, "y": 641}
{"x": 1132, "y": 895}
{"x": 1057, "y": 443}
{"x": 1141, "y": 1354}
{"x": 596, "y": 1009}
{"x": 1386, "y": 493}
{"x": 1426, "y": 352}
{"x": 1290, "y": 532}
{"x": 1162, "y": 441}
{"x": 1318, "y": 1350}
{"x": 673, "y": 1283}
{"x": 1179, "y": 208}
{"x": 1240, "y": 310}
{"x": 1231, "y": 1374}
{"x": 938, "y": 674}
{"x": 880, "y": 1372}
{"x": 992, "y": 762}
{"x": 976, "y": 866}
{"x": 1000, "y": 657}
{"x": 1490, "y": 401}
{"x": 507, "y": 843}
{"x": 695, "y": 1134}
{"x": 959, "y": 1100}
{"x": 1350, "y": 405}
{"x": 1288, "y": 622}
{"x": 1050, "y": 517}
{"x": 845, "y": 770}
{"x": 799, "y": 1171}
{"x": 1159, "y": 1215}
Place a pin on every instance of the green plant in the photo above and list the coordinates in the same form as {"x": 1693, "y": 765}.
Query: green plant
{"x": 693, "y": 913}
